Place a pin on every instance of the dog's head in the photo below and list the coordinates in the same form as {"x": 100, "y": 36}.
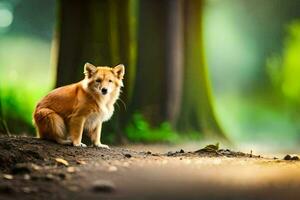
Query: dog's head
{"x": 104, "y": 80}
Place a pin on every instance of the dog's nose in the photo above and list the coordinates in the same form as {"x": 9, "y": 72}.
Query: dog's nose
{"x": 104, "y": 91}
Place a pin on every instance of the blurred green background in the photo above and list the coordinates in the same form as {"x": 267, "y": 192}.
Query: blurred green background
{"x": 251, "y": 49}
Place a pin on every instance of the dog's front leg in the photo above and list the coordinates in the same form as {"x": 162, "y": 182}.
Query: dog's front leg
{"x": 96, "y": 137}
{"x": 76, "y": 128}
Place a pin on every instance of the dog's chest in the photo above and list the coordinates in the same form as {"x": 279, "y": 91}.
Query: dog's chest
{"x": 92, "y": 121}
{"x": 98, "y": 117}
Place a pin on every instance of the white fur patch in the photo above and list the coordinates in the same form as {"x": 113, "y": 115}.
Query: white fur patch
{"x": 95, "y": 118}
{"x": 85, "y": 85}
{"x": 92, "y": 121}
{"x": 106, "y": 113}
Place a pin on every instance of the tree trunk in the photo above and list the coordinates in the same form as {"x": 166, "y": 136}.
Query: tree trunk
{"x": 197, "y": 113}
{"x": 175, "y": 58}
{"x": 149, "y": 92}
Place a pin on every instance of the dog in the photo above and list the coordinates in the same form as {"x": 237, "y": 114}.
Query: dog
{"x": 67, "y": 111}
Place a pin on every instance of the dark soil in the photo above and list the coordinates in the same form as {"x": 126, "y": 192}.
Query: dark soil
{"x": 15, "y": 150}
{"x": 31, "y": 168}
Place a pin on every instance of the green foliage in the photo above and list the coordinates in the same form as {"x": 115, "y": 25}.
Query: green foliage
{"x": 18, "y": 105}
{"x": 284, "y": 69}
{"x": 25, "y": 77}
{"x": 212, "y": 147}
{"x": 139, "y": 130}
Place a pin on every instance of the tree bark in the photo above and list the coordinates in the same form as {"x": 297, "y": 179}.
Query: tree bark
{"x": 175, "y": 58}
{"x": 197, "y": 112}
{"x": 149, "y": 92}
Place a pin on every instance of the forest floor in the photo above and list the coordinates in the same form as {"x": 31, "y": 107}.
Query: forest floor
{"x": 31, "y": 168}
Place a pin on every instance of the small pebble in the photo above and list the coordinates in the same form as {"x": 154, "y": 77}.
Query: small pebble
{"x": 71, "y": 169}
{"x": 103, "y": 186}
{"x": 287, "y": 157}
{"x": 26, "y": 177}
{"x": 27, "y": 190}
{"x": 49, "y": 177}
{"x": 295, "y": 158}
{"x": 127, "y": 155}
{"x": 63, "y": 176}
{"x": 112, "y": 168}
{"x": 21, "y": 168}
{"x": 126, "y": 164}
{"x": 73, "y": 188}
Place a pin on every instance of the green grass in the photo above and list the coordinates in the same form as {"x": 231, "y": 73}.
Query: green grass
{"x": 25, "y": 76}
{"x": 139, "y": 130}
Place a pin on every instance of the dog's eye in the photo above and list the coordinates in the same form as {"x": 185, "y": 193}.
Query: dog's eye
{"x": 98, "y": 80}
{"x": 109, "y": 80}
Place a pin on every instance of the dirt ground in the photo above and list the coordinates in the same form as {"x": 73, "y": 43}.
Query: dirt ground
{"x": 35, "y": 169}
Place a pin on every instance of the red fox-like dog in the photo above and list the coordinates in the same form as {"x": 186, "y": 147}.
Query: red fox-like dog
{"x": 65, "y": 112}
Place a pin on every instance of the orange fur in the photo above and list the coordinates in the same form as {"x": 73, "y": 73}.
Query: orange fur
{"x": 65, "y": 112}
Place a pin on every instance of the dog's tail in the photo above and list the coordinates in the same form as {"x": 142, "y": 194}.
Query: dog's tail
{"x": 50, "y": 125}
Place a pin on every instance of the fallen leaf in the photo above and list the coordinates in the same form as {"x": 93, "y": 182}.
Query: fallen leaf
{"x": 62, "y": 161}
{"x": 35, "y": 167}
{"x": 8, "y": 176}
{"x": 81, "y": 162}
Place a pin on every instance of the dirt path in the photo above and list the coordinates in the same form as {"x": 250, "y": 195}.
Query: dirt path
{"x": 29, "y": 170}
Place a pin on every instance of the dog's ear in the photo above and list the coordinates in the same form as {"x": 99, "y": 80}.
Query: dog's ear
{"x": 119, "y": 71}
{"x": 89, "y": 70}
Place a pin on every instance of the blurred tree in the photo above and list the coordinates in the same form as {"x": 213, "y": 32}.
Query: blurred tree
{"x": 171, "y": 58}
{"x": 149, "y": 95}
{"x": 197, "y": 113}
{"x": 172, "y": 80}
{"x": 175, "y": 59}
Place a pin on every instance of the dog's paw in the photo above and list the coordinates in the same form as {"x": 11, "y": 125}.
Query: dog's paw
{"x": 101, "y": 146}
{"x": 79, "y": 145}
